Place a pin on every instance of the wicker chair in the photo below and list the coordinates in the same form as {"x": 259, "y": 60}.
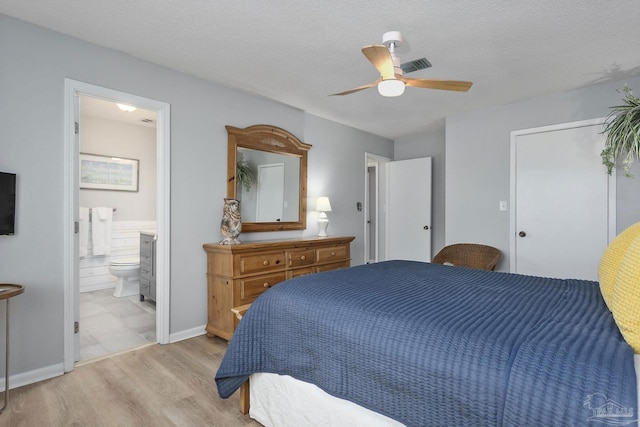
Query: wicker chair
{"x": 469, "y": 255}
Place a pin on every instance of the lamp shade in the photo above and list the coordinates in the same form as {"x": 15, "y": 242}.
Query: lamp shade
{"x": 391, "y": 87}
{"x": 323, "y": 205}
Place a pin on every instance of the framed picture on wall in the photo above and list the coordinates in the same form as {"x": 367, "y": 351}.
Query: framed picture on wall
{"x": 108, "y": 173}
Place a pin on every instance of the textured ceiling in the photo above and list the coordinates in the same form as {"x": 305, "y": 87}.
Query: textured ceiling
{"x": 298, "y": 52}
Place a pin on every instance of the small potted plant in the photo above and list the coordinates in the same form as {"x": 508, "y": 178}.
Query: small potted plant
{"x": 622, "y": 128}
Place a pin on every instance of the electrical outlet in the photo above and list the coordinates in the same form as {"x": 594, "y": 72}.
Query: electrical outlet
{"x": 502, "y": 205}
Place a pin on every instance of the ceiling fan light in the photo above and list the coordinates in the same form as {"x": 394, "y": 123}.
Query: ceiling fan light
{"x": 391, "y": 87}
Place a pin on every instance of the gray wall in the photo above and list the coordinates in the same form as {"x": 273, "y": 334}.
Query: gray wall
{"x": 337, "y": 169}
{"x": 478, "y": 161}
{"x": 35, "y": 62}
{"x": 471, "y": 169}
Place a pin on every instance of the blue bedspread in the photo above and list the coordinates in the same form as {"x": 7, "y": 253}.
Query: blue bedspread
{"x": 428, "y": 344}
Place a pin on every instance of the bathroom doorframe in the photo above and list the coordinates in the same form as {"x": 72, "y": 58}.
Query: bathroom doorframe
{"x": 378, "y": 205}
{"x": 74, "y": 89}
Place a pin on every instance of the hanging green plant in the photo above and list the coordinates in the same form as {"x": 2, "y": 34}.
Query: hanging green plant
{"x": 623, "y": 133}
{"x": 244, "y": 174}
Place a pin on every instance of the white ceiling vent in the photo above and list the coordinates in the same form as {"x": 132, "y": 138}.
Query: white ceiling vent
{"x": 418, "y": 64}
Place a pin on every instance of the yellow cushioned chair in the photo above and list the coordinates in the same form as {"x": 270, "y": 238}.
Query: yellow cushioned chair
{"x": 612, "y": 258}
{"x": 625, "y": 300}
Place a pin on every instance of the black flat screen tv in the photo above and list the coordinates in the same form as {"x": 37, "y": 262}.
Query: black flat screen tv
{"x": 7, "y": 203}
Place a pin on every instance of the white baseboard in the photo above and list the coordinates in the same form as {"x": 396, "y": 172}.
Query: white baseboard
{"x": 41, "y": 374}
{"x": 189, "y": 333}
{"x": 30, "y": 377}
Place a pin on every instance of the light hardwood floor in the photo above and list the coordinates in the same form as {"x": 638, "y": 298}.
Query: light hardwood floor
{"x": 158, "y": 385}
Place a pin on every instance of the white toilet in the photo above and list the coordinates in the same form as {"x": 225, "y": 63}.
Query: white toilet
{"x": 127, "y": 270}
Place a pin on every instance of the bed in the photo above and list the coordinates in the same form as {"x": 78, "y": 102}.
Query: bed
{"x": 427, "y": 344}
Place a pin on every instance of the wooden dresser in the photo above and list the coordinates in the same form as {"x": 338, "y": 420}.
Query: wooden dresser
{"x": 238, "y": 274}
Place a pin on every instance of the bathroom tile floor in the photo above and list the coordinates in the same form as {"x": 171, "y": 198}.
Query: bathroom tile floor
{"x": 110, "y": 325}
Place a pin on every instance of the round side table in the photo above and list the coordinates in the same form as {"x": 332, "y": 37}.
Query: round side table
{"x": 7, "y": 291}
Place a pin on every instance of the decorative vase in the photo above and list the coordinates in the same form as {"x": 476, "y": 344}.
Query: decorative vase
{"x": 231, "y": 225}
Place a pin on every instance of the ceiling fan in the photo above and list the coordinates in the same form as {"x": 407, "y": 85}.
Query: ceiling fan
{"x": 392, "y": 81}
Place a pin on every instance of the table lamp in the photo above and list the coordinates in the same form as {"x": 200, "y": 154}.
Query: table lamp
{"x": 322, "y": 206}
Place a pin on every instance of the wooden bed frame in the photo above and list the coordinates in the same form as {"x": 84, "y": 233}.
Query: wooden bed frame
{"x": 244, "y": 388}
{"x": 244, "y": 398}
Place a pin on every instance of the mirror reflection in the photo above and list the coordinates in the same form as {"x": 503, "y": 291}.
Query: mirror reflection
{"x": 267, "y": 186}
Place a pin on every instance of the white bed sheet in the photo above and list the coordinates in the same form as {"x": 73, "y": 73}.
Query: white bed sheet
{"x": 282, "y": 401}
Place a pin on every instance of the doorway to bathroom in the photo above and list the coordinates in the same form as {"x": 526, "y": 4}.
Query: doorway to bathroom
{"x": 118, "y": 178}
{"x": 117, "y": 220}
{"x": 374, "y": 208}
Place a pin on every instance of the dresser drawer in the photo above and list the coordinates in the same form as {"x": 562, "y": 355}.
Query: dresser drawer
{"x": 145, "y": 286}
{"x": 300, "y": 258}
{"x": 145, "y": 260}
{"x": 251, "y": 288}
{"x": 146, "y": 272}
{"x": 334, "y": 253}
{"x": 302, "y": 272}
{"x": 261, "y": 263}
{"x": 335, "y": 266}
{"x": 146, "y": 243}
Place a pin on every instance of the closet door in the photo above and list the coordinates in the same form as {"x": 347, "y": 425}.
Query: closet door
{"x": 562, "y": 201}
{"x": 409, "y": 209}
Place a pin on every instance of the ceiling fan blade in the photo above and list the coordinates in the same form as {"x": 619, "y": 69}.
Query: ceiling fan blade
{"x": 459, "y": 86}
{"x": 379, "y": 56}
{"x": 367, "y": 86}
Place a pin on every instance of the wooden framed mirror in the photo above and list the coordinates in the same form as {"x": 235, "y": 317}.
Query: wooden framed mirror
{"x": 267, "y": 173}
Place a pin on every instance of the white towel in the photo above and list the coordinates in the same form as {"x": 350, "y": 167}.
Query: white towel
{"x": 101, "y": 230}
{"x": 83, "y": 231}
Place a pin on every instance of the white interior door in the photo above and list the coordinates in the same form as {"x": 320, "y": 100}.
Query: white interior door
{"x": 563, "y": 201}
{"x": 409, "y": 209}
{"x": 270, "y": 204}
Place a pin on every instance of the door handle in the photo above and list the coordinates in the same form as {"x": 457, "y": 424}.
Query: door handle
{"x": 426, "y": 227}
{"x": 522, "y": 234}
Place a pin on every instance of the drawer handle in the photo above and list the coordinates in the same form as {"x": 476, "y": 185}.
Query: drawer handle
{"x": 333, "y": 254}
{"x": 266, "y": 284}
{"x": 303, "y": 257}
{"x": 265, "y": 262}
